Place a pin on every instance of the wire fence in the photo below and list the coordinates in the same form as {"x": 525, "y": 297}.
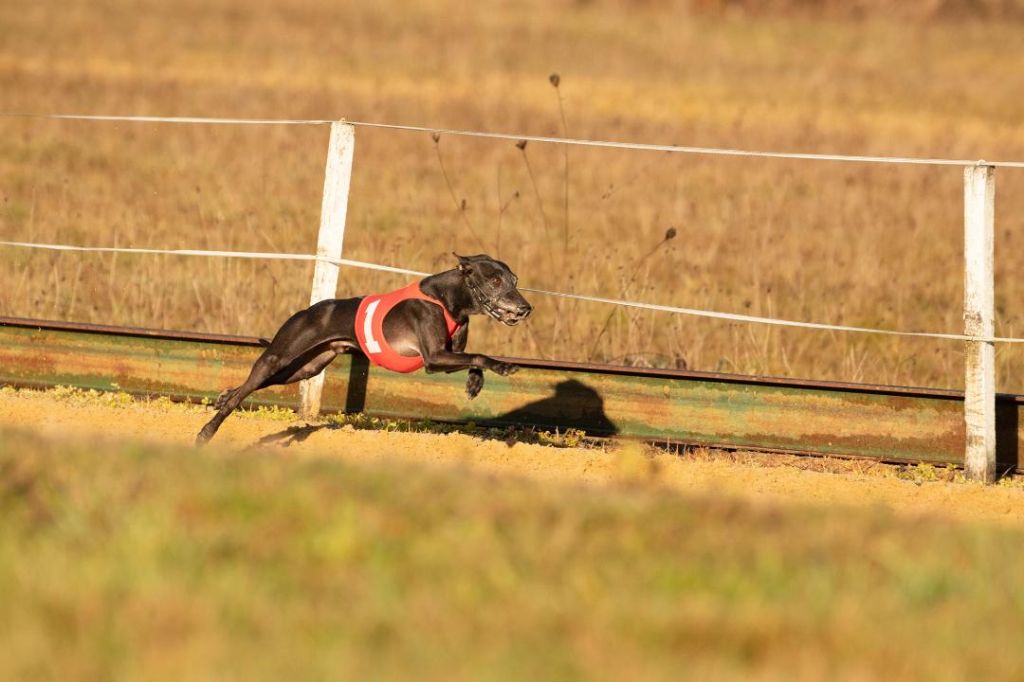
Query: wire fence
{"x": 733, "y": 317}
{"x": 346, "y": 262}
{"x": 639, "y": 146}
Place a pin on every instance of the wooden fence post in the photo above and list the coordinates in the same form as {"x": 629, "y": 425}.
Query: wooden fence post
{"x": 337, "y": 179}
{"x": 979, "y": 313}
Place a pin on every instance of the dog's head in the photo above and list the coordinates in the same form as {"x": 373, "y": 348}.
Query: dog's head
{"x": 493, "y": 287}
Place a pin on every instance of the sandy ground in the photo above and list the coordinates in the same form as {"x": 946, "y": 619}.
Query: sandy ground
{"x": 760, "y": 479}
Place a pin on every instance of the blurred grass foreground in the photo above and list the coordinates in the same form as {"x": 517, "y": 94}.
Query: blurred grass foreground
{"x": 128, "y": 562}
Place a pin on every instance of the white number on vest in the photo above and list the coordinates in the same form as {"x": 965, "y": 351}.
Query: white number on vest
{"x": 371, "y": 343}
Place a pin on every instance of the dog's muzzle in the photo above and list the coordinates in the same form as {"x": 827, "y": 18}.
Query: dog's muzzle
{"x": 505, "y": 313}
{"x": 514, "y": 315}
{"x": 509, "y": 312}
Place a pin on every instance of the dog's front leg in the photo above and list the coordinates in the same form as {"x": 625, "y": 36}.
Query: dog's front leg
{"x": 475, "y": 380}
{"x": 448, "y": 361}
{"x": 439, "y": 356}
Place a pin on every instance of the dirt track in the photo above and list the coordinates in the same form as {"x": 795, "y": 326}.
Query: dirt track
{"x": 763, "y": 479}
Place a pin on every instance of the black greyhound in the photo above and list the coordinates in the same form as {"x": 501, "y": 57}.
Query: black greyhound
{"x": 428, "y": 326}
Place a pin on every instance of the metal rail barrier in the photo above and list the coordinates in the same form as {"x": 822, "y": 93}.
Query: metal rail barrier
{"x": 887, "y": 423}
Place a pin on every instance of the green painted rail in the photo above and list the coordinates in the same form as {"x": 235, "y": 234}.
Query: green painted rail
{"x": 881, "y": 422}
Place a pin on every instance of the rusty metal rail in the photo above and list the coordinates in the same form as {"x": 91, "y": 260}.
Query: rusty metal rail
{"x": 890, "y": 423}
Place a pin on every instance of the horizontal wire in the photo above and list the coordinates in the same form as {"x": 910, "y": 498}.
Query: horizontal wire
{"x": 696, "y": 312}
{"x": 641, "y": 146}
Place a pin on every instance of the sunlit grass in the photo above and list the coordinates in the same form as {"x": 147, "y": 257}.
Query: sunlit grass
{"x": 120, "y": 562}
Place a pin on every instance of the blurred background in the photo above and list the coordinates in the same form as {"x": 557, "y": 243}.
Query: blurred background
{"x": 853, "y": 244}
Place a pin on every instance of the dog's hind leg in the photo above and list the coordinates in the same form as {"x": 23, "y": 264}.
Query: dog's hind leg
{"x": 301, "y": 348}
{"x": 223, "y": 397}
{"x": 271, "y": 370}
{"x": 311, "y": 363}
{"x": 265, "y": 367}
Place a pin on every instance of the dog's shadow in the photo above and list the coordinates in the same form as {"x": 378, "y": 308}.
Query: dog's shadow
{"x": 292, "y": 435}
{"x": 573, "y": 405}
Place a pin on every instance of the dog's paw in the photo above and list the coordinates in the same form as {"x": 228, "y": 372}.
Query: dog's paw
{"x": 474, "y": 382}
{"x": 505, "y": 368}
{"x": 223, "y": 398}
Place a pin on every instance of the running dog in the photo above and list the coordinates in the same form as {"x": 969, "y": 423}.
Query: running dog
{"x": 425, "y": 324}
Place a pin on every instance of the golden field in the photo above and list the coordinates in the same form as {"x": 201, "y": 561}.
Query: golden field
{"x": 851, "y": 244}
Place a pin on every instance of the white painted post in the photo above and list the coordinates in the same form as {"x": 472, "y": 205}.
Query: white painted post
{"x": 979, "y": 314}
{"x": 337, "y": 179}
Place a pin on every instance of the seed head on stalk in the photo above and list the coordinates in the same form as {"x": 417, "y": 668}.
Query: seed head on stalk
{"x": 521, "y": 146}
{"x": 670, "y": 234}
{"x": 556, "y": 82}
{"x": 460, "y": 206}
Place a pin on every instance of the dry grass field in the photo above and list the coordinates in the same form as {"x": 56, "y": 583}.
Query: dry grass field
{"x": 844, "y": 243}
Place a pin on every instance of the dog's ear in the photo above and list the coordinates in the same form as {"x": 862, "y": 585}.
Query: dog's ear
{"x": 464, "y": 264}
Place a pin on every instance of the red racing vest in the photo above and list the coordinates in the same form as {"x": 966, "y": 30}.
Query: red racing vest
{"x": 370, "y": 328}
